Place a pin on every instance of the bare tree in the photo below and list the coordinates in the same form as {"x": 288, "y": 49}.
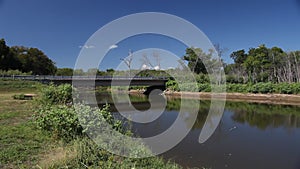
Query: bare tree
{"x": 145, "y": 60}
{"x": 127, "y": 60}
{"x": 157, "y": 58}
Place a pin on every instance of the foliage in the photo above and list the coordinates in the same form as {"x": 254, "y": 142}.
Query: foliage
{"x": 61, "y": 121}
{"x": 13, "y": 72}
{"x": 64, "y": 72}
{"x": 19, "y": 96}
{"x": 195, "y": 58}
{"x": 7, "y": 58}
{"x": 240, "y": 88}
{"x": 53, "y": 94}
{"x": 172, "y": 85}
{"x": 264, "y": 88}
{"x": 25, "y": 59}
{"x": 205, "y": 87}
{"x": 190, "y": 87}
{"x": 262, "y": 64}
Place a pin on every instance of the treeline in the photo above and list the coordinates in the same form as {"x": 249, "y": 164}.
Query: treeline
{"x": 25, "y": 60}
{"x": 264, "y": 64}
{"x": 260, "y": 64}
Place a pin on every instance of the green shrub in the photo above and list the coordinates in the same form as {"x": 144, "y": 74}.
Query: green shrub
{"x": 284, "y": 88}
{"x": 204, "y": 87}
{"x": 60, "y": 121}
{"x": 63, "y": 123}
{"x": 190, "y": 87}
{"x": 202, "y": 78}
{"x": 241, "y": 88}
{"x": 172, "y": 85}
{"x": 265, "y": 87}
{"x": 52, "y": 94}
{"x": 295, "y": 88}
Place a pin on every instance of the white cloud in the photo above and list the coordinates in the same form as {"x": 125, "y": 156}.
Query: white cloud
{"x": 87, "y": 46}
{"x": 113, "y": 47}
{"x": 145, "y": 67}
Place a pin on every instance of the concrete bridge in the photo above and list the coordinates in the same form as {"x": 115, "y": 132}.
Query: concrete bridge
{"x": 91, "y": 81}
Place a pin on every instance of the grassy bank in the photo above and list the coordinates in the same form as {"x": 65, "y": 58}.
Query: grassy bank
{"x": 53, "y": 138}
{"x": 18, "y": 86}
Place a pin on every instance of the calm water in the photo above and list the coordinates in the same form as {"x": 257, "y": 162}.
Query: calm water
{"x": 259, "y": 136}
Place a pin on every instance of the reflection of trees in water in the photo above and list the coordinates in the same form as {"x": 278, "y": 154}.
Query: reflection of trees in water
{"x": 255, "y": 114}
{"x": 188, "y": 107}
{"x": 264, "y": 115}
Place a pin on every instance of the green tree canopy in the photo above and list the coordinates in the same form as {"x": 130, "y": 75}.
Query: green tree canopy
{"x": 7, "y": 59}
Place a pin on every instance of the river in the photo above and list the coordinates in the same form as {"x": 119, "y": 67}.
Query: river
{"x": 250, "y": 135}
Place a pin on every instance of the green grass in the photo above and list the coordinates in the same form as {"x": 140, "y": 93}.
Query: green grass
{"x": 18, "y": 85}
{"x": 20, "y": 141}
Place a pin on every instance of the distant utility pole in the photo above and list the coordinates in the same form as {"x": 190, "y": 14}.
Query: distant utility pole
{"x": 127, "y": 60}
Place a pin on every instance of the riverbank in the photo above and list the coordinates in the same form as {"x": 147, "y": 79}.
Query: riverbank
{"x": 44, "y": 149}
{"x": 284, "y": 99}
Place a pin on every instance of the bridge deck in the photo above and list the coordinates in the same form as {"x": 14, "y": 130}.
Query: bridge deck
{"x": 96, "y": 80}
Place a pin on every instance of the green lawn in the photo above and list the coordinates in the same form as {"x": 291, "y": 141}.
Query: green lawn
{"x": 20, "y": 141}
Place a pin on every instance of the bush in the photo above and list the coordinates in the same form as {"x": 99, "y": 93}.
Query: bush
{"x": 284, "y": 88}
{"x": 63, "y": 123}
{"x": 190, "y": 87}
{"x": 52, "y": 94}
{"x": 202, "y": 78}
{"x": 172, "y": 85}
{"x": 204, "y": 87}
{"x": 262, "y": 88}
{"x": 241, "y": 88}
{"x": 295, "y": 88}
{"x": 60, "y": 120}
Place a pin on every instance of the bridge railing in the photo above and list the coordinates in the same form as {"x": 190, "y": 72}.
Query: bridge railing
{"x": 49, "y": 77}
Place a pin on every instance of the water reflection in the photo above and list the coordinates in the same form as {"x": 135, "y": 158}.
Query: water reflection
{"x": 265, "y": 116}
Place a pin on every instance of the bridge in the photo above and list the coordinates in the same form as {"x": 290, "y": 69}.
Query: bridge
{"x": 92, "y": 81}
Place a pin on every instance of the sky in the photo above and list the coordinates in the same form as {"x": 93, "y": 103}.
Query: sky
{"x": 61, "y": 28}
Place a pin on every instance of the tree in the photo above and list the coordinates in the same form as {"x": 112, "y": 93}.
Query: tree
{"x": 33, "y": 59}
{"x": 262, "y": 64}
{"x": 195, "y": 58}
{"x": 64, "y": 72}
{"x": 128, "y": 61}
{"x": 7, "y": 59}
{"x": 239, "y": 56}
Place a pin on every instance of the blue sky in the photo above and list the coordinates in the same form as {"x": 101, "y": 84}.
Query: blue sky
{"x": 59, "y": 27}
